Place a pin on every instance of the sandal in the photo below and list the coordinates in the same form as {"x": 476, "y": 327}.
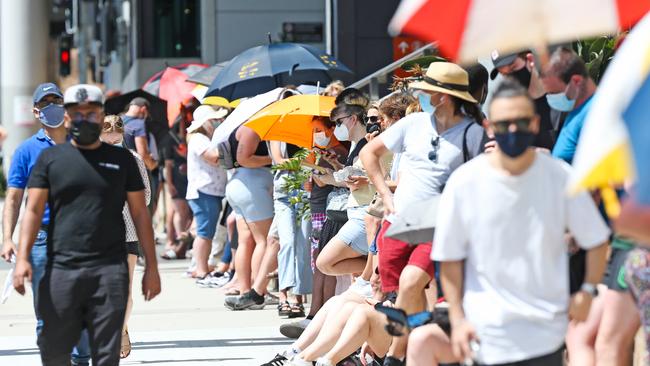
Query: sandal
{"x": 297, "y": 311}
{"x": 125, "y": 348}
{"x": 284, "y": 309}
{"x": 171, "y": 255}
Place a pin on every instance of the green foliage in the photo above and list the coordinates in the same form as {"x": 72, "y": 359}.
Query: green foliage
{"x": 294, "y": 182}
{"x": 596, "y": 53}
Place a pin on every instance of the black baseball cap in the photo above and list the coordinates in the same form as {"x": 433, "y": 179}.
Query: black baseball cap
{"x": 499, "y": 60}
{"x": 44, "y": 90}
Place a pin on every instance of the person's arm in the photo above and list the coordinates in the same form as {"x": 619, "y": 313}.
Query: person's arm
{"x": 370, "y": 156}
{"x": 276, "y": 152}
{"x": 10, "y": 212}
{"x": 145, "y": 179}
{"x": 248, "y": 141}
{"x": 211, "y": 156}
{"x": 144, "y": 230}
{"x": 142, "y": 148}
{"x": 462, "y": 332}
{"x": 37, "y": 198}
{"x": 581, "y": 300}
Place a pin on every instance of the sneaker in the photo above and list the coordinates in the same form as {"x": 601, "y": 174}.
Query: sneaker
{"x": 322, "y": 361}
{"x": 362, "y": 287}
{"x": 214, "y": 281}
{"x": 392, "y": 361}
{"x": 230, "y": 302}
{"x": 278, "y": 360}
{"x": 223, "y": 280}
{"x": 297, "y": 361}
{"x": 248, "y": 300}
{"x": 295, "y": 329}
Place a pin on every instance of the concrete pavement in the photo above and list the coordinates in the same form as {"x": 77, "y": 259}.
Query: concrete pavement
{"x": 185, "y": 325}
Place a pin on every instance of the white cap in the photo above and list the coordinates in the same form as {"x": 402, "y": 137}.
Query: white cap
{"x": 204, "y": 113}
{"x": 83, "y": 93}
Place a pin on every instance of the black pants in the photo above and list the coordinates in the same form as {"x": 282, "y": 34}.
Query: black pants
{"x": 90, "y": 297}
{"x": 552, "y": 359}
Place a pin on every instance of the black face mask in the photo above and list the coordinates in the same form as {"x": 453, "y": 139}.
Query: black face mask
{"x": 84, "y": 132}
{"x": 515, "y": 143}
{"x": 373, "y": 127}
{"x": 523, "y": 76}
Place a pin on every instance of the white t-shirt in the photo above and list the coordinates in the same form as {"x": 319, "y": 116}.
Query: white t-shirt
{"x": 510, "y": 232}
{"x": 420, "y": 177}
{"x": 201, "y": 175}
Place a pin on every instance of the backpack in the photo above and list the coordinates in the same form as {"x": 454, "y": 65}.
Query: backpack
{"x": 228, "y": 152}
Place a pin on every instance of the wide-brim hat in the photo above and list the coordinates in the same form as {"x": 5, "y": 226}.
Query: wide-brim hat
{"x": 447, "y": 78}
{"x": 204, "y": 113}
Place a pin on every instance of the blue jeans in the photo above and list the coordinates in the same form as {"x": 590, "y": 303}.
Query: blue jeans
{"x": 294, "y": 257}
{"x": 81, "y": 352}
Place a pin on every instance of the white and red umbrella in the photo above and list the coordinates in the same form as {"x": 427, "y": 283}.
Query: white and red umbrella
{"x": 468, "y": 29}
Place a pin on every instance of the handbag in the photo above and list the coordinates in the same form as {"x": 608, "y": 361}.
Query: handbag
{"x": 376, "y": 207}
{"x": 416, "y": 225}
{"x": 337, "y": 204}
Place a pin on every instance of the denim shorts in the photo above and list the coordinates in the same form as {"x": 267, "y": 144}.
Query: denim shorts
{"x": 353, "y": 233}
{"x": 206, "y": 210}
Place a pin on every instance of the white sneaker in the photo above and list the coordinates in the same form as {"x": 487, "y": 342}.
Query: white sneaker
{"x": 297, "y": 361}
{"x": 211, "y": 281}
{"x": 362, "y": 287}
{"x": 322, "y": 361}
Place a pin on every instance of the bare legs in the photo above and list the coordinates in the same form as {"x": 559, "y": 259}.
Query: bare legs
{"x": 201, "y": 252}
{"x": 337, "y": 258}
{"x": 324, "y": 288}
{"x": 250, "y": 251}
{"x": 429, "y": 345}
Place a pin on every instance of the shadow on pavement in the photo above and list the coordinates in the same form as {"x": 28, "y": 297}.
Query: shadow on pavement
{"x": 170, "y": 344}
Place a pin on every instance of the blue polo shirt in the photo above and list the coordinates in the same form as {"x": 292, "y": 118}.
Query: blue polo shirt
{"x": 565, "y": 146}
{"x": 23, "y": 161}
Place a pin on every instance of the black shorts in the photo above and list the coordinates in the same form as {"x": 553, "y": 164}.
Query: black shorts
{"x": 132, "y": 248}
{"x": 614, "y": 277}
{"x": 329, "y": 231}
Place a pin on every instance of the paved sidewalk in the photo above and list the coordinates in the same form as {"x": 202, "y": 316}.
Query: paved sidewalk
{"x": 185, "y": 325}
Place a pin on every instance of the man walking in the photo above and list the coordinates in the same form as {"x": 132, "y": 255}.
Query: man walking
{"x": 500, "y": 238}
{"x": 86, "y": 278}
{"x": 48, "y": 109}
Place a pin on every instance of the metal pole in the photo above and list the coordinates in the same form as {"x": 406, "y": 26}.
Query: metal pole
{"x": 82, "y": 41}
{"x": 23, "y": 64}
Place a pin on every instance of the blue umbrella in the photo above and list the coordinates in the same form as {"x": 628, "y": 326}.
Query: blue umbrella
{"x": 263, "y": 68}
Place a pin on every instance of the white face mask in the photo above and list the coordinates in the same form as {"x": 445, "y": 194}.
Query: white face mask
{"x": 321, "y": 139}
{"x": 342, "y": 133}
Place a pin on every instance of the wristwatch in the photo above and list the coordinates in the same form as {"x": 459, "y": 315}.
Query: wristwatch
{"x": 589, "y": 288}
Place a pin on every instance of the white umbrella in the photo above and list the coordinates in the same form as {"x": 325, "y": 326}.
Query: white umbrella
{"x": 245, "y": 110}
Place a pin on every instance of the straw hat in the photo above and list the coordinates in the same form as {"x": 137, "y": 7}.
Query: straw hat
{"x": 204, "y": 113}
{"x": 447, "y": 78}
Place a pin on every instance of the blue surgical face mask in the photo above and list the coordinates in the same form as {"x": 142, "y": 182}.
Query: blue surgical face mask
{"x": 425, "y": 103}
{"x": 560, "y": 102}
{"x": 51, "y": 115}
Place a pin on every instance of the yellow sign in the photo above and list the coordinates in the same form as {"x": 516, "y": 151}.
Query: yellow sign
{"x": 327, "y": 61}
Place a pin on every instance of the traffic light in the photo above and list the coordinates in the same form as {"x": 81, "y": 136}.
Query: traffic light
{"x": 65, "y": 43}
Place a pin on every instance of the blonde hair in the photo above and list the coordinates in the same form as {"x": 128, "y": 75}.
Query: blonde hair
{"x": 335, "y": 86}
{"x": 117, "y": 125}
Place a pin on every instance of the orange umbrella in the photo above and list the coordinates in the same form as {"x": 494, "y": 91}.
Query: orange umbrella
{"x": 289, "y": 119}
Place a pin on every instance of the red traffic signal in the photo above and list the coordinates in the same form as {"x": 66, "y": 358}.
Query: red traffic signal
{"x": 65, "y": 43}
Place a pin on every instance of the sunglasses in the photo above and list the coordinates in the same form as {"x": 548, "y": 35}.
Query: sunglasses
{"x": 503, "y": 126}
{"x": 111, "y": 126}
{"x": 339, "y": 121}
{"x": 44, "y": 103}
{"x": 372, "y": 119}
{"x": 399, "y": 322}
{"x": 433, "y": 155}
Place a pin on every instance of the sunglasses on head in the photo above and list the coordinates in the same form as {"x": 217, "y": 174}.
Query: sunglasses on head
{"x": 433, "y": 155}
{"x": 503, "y": 126}
{"x": 110, "y": 126}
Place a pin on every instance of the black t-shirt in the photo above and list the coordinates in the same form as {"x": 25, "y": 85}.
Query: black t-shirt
{"x": 87, "y": 191}
{"x": 546, "y": 136}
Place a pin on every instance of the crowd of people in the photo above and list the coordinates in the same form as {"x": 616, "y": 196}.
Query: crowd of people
{"x": 505, "y": 268}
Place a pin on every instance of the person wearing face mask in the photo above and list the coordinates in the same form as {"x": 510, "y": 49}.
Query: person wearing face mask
{"x": 521, "y": 67}
{"x": 432, "y": 145}
{"x": 206, "y": 183}
{"x": 113, "y": 134}
{"x": 504, "y": 265}
{"x": 86, "y": 278}
{"x": 569, "y": 89}
{"x": 49, "y": 110}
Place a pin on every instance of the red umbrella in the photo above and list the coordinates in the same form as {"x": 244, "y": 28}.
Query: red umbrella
{"x": 468, "y": 29}
{"x": 152, "y": 85}
{"x": 171, "y": 85}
